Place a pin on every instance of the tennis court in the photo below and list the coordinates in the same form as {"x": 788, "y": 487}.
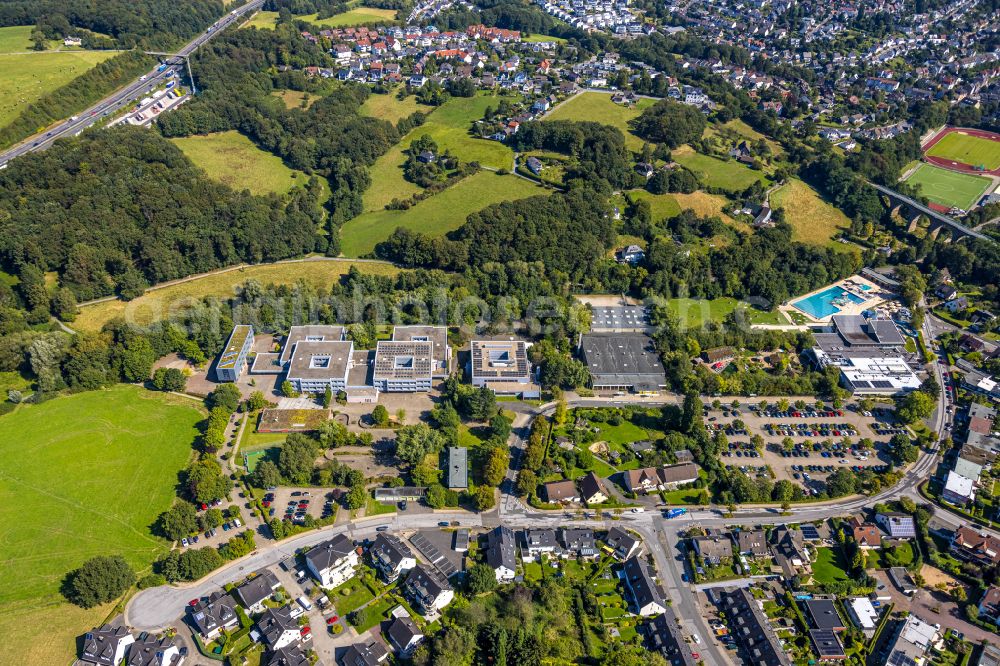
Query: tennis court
{"x": 949, "y": 188}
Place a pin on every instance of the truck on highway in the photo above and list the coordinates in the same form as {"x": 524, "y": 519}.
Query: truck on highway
{"x": 161, "y": 67}
{"x": 673, "y": 513}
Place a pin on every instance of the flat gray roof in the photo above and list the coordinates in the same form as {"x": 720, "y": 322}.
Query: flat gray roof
{"x": 312, "y": 333}
{"x": 436, "y": 335}
{"x": 625, "y": 359}
{"x": 499, "y": 359}
{"x": 619, "y": 318}
{"x": 320, "y": 360}
{"x": 458, "y": 467}
{"x": 403, "y": 360}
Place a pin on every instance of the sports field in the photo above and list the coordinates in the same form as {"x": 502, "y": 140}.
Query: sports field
{"x": 81, "y": 475}
{"x": 449, "y": 126}
{"x": 26, "y": 77}
{"x": 232, "y": 159}
{"x": 156, "y": 303}
{"x": 437, "y": 214}
{"x": 812, "y": 219}
{"x": 949, "y": 188}
{"x": 713, "y": 172}
{"x": 967, "y": 149}
{"x": 598, "y": 107}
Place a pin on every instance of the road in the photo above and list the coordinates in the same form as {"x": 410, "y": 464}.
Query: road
{"x": 124, "y": 97}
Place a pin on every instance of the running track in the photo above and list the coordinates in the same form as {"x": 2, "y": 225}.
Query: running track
{"x": 959, "y": 166}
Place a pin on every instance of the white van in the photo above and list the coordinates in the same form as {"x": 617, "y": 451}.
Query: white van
{"x": 304, "y": 602}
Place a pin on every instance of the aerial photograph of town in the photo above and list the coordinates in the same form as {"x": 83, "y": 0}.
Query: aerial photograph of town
{"x": 499, "y": 332}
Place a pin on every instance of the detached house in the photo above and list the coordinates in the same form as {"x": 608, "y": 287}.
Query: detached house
{"x": 152, "y": 651}
{"x": 593, "y": 490}
{"x": 391, "y": 557}
{"x": 714, "y": 548}
{"x": 404, "y": 635}
{"x": 106, "y": 645}
{"x": 644, "y": 594}
{"x": 578, "y": 542}
{"x": 535, "y": 543}
{"x": 752, "y": 543}
{"x": 211, "y": 618}
{"x": 969, "y": 545}
{"x": 277, "y": 628}
{"x": 427, "y": 590}
{"x": 332, "y": 562}
{"x": 623, "y": 544}
{"x": 500, "y": 553}
{"x": 253, "y": 593}
{"x": 897, "y": 525}
{"x": 371, "y": 653}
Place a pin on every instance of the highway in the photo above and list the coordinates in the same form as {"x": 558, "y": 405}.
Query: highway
{"x": 124, "y": 97}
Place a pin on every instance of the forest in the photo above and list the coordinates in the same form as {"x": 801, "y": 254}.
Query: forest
{"x": 152, "y": 23}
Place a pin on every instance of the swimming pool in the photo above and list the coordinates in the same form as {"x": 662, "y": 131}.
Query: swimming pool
{"x": 825, "y": 303}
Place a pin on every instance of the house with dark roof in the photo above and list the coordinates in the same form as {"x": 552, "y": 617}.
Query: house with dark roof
{"x": 500, "y": 553}
{"x": 644, "y": 595}
{"x": 751, "y": 629}
{"x": 752, "y": 543}
{"x": 288, "y": 656}
{"x": 253, "y": 593}
{"x": 578, "y": 542}
{"x": 370, "y": 653}
{"x": 106, "y": 645}
{"x": 663, "y": 635}
{"x": 622, "y": 544}
{"x": 823, "y": 614}
{"x": 149, "y": 650}
{"x": 332, "y": 562}
{"x": 989, "y": 605}
{"x": 427, "y": 590}
{"x": 623, "y": 362}
{"x": 713, "y": 548}
{"x": 213, "y": 616}
{"x": 972, "y": 546}
{"x": 391, "y": 557}
{"x": 404, "y": 635}
{"x": 827, "y": 645}
{"x": 897, "y": 525}
{"x": 277, "y": 628}
{"x": 651, "y": 479}
{"x": 535, "y": 543}
{"x": 593, "y": 490}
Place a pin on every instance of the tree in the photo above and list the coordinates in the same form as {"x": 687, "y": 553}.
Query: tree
{"x": 559, "y": 416}
{"x": 179, "y": 520}
{"x": 414, "y": 442}
{"x": 99, "y": 580}
{"x": 670, "y": 123}
{"x": 46, "y": 354}
{"x": 914, "y": 406}
{"x": 841, "y": 482}
{"x": 356, "y": 497}
{"x": 481, "y": 579}
{"x": 483, "y": 498}
{"x": 437, "y": 496}
{"x": 288, "y": 389}
{"x": 380, "y": 416}
{"x": 903, "y": 449}
{"x": 265, "y": 475}
{"x": 478, "y": 404}
{"x": 527, "y": 482}
{"x": 499, "y": 427}
{"x": 497, "y": 461}
{"x": 226, "y": 396}
{"x": 255, "y": 402}
{"x": 297, "y": 459}
{"x": 137, "y": 358}
{"x": 205, "y": 481}
{"x": 169, "y": 379}
{"x": 327, "y": 397}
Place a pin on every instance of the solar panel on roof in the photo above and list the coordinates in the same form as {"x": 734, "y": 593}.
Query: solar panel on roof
{"x": 810, "y": 532}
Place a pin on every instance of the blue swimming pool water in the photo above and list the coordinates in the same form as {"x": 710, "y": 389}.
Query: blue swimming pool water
{"x": 821, "y": 305}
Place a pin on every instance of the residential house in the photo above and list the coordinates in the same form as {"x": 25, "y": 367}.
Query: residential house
{"x": 622, "y": 544}
{"x": 958, "y": 489}
{"x": 897, "y": 525}
{"x": 823, "y": 614}
{"x": 714, "y": 548}
{"x": 946, "y": 292}
{"x": 535, "y": 543}
{"x": 632, "y": 254}
{"x": 989, "y": 605}
{"x": 790, "y": 551}
{"x": 500, "y": 553}
{"x": 332, "y": 562}
{"x": 913, "y": 642}
{"x": 718, "y": 355}
{"x": 579, "y": 542}
{"x": 867, "y": 536}
{"x": 404, "y": 635}
{"x": 752, "y": 543}
{"x": 751, "y": 629}
{"x": 534, "y": 165}
{"x": 149, "y": 650}
{"x": 664, "y": 635}
{"x": 253, "y": 593}
{"x": 278, "y": 628}
{"x": 106, "y": 645}
{"x": 370, "y": 653}
{"x": 960, "y": 304}
{"x": 650, "y": 479}
{"x": 560, "y": 492}
{"x": 863, "y": 614}
{"x": 902, "y": 579}
{"x": 457, "y": 468}
{"x": 287, "y": 656}
{"x": 972, "y": 546}
{"x": 593, "y": 490}
{"x": 427, "y": 590}
{"x": 212, "y": 616}
{"x": 644, "y": 595}
{"x": 391, "y": 557}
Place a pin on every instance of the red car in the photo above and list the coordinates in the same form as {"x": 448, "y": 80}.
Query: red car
{"x": 193, "y": 602}
{"x": 332, "y": 620}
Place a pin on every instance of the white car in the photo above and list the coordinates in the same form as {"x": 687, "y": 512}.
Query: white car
{"x": 184, "y": 542}
{"x": 696, "y": 639}
{"x": 304, "y": 602}
{"x": 638, "y": 510}
{"x": 237, "y": 523}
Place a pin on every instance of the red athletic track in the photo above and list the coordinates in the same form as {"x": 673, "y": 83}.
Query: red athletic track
{"x": 959, "y": 166}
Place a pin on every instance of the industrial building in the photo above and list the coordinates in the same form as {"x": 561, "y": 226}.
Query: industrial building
{"x": 626, "y": 362}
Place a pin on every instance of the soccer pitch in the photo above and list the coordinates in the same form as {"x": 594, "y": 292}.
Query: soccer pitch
{"x": 949, "y": 188}
{"x": 967, "y": 149}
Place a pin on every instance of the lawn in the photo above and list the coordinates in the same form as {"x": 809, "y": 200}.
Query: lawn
{"x": 829, "y": 566}
{"x": 389, "y": 107}
{"x": 26, "y": 77}
{"x": 15, "y": 39}
{"x": 690, "y": 496}
{"x": 449, "y": 126}
{"x": 156, "y": 304}
{"x": 598, "y": 107}
{"x": 373, "y": 613}
{"x": 813, "y": 220}
{"x": 714, "y": 172}
{"x": 350, "y": 596}
{"x": 949, "y": 188}
{"x": 93, "y": 471}
{"x": 694, "y": 313}
{"x": 262, "y": 19}
{"x": 661, "y": 206}
{"x": 747, "y": 132}
{"x": 535, "y": 39}
{"x": 437, "y": 214}
{"x": 623, "y": 433}
{"x": 234, "y": 160}
{"x": 293, "y": 99}
{"x": 967, "y": 149}
{"x": 356, "y": 16}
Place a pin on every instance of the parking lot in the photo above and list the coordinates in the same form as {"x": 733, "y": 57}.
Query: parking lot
{"x": 217, "y": 536}
{"x": 296, "y": 503}
{"x": 803, "y": 445}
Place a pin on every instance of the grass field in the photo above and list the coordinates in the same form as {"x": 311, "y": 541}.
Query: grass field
{"x": 16, "y": 38}
{"x": 293, "y": 98}
{"x": 449, "y": 126}
{"x": 388, "y": 107}
{"x": 437, "y": 214}
{"x": 598, "y": 107}
{"x": 232, "y": 159}
{"x": 535, "y": 39}
{"x": 829, "y": 566}
{"x": 82, "y": 475}
{"x": 263, "y": 19}
{"x": 949, "y": 188}
{"x": 744, "y": 130}
{"x": 355, "y": 16}
{"x": 713, "y": 172}
{"x": 968, "y": 149}
{"x": 26, "y": 77}
{"x": 661, "y": 206}
{"x": 813, "y": 220}
{"x": 155, "y": 304}
{"x": 694, "y": 312}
